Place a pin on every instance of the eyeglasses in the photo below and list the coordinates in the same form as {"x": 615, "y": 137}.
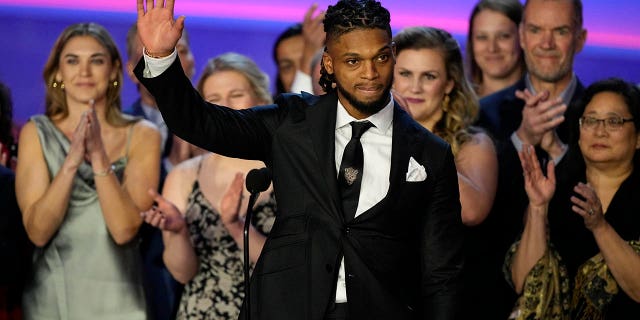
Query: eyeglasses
{"x": 611, "y": 123}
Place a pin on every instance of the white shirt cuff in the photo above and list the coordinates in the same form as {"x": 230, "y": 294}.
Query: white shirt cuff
{"x": 559, "y": 158}
{"x": 301, "y": 82}
{"x": 517, "y": 143}
{"x": 154, "y": 67}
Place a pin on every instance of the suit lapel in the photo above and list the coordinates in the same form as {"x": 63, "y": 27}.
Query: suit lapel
{"x": 402, "y": 148}
{"x": 322, "y": 124}
{"x": 403, "y": 138}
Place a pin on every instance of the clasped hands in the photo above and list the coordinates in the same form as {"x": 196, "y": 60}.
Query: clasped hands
{"x": 86, "y": 141}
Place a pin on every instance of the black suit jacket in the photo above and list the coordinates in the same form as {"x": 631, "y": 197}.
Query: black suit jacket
{"x": 403, "y": 257}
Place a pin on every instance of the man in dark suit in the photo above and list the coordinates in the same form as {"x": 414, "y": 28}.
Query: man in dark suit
{"x": 531, "y": 112}
{"x": 398, "y": 253}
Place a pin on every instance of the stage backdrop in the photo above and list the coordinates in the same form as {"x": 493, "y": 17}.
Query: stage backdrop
{"x": 30, "y": 27}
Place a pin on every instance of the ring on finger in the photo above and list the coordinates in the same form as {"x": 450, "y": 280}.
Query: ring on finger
{"x": 590, "y": 211}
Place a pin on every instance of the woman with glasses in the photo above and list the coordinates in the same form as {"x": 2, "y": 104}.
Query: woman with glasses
{"x": 579, "y": 253}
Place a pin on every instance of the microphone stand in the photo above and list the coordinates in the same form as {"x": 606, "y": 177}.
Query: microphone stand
{"x": 247, "y": 224}
{"x": 257, "y": 180}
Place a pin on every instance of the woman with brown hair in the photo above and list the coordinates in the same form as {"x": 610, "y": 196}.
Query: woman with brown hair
{"x": 494, "y": 57}
{"x": 82, "y": 179}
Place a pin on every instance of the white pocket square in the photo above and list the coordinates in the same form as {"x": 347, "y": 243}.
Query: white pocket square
{"x": 416, "y": 171}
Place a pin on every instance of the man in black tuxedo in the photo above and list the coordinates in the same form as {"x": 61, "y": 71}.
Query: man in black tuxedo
{"x": 375, "y": 240}
{"x": 530, "y": 112}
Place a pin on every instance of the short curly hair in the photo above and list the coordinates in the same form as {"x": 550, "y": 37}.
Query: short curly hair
{"x": 349, "y": 15}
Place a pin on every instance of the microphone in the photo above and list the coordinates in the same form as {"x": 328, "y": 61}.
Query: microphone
{"x": 258, "y": 180}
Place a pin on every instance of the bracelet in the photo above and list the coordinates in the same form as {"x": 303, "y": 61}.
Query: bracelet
{"x": 156, "y": 55}
{"x": 104, "y": 172}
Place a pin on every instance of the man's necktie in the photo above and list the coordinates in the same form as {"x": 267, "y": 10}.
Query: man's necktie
{"x": 350, "y": 175}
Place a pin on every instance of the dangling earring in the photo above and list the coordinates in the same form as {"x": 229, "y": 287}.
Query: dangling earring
{"x": 56, "y": 84}
{"x": 115, "y": 83}
{"x": 445, "y": 103}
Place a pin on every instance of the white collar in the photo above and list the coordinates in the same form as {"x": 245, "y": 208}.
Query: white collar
{"x": 382, "y": 119}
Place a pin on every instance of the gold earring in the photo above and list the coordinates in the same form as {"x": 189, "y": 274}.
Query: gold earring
{"x": 445, "y": 103}
{"x": 115, "y": 83}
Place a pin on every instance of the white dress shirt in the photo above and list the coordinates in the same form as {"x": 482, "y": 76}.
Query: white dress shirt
{"x": 376, "y": 147}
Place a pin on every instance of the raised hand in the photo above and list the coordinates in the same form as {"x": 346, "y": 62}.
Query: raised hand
{"x": 539, "y": 188}
{"x": 590, "y": 208}
{"x": 314, "y": 37}
{"x": 539, "y": 116}
{"x": 157, "y": 29}
{"x": 164, "y": 215}
{"x": 231, "y": 202}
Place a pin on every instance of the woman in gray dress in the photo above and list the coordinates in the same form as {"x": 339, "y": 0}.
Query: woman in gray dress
{"x": 83, "y": 177}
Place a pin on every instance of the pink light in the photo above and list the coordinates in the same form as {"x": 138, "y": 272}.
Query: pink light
{"x": 292, "y": 11}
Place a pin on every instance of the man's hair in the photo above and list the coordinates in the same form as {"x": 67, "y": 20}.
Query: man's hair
{"x": 349, "y": 15}
{"x": 577, "y": 13}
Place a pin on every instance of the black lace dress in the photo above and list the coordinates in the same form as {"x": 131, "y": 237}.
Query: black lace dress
{"x": 217, "y": 290}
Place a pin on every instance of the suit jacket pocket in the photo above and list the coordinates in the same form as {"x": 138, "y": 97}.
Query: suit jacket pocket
{"x": 283, "y": 254}
{"x": 286, "y": 246}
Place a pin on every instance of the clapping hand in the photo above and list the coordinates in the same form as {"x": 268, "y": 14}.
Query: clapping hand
{"x": 77, "y": 149}
{"x": 539, "y": 115}
{"x": 539, "y": 188}
{"x": 231, "y": 202}
{"x": 93, "y": 138}
{"x": 164, "y": 215}
{"x": 157, "y": 29}
{"x": 590, "y": 208}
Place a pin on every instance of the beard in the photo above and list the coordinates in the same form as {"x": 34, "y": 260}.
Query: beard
{"x": 367, "y": 108}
